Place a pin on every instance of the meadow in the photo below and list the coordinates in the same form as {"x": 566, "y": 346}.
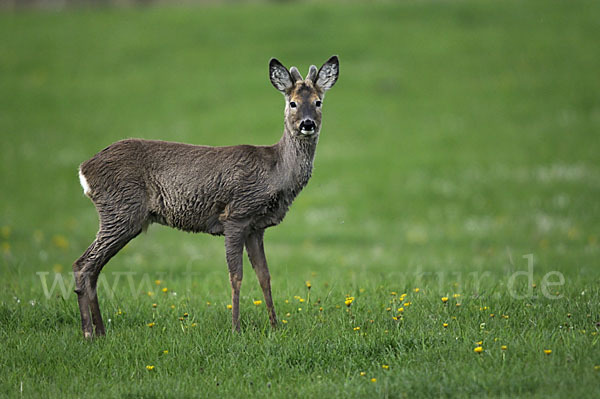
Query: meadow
{"x": 447, "y": 244}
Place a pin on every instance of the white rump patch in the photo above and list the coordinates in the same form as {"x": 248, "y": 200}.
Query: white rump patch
{"x": 84, "y": 183}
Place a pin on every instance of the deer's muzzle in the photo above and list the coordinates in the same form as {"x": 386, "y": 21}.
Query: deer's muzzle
{"x": 308, "y": 127}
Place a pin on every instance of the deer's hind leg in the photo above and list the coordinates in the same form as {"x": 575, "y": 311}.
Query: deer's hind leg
{"x": 115, "y": 232}
{"x": 81, "y": 281}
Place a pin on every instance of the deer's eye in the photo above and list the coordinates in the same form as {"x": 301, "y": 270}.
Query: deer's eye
{"x": 293, "y": 104}
{"x": 318, "y": 103}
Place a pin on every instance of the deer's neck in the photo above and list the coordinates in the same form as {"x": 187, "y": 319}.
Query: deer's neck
{"x": 296, "y": 155}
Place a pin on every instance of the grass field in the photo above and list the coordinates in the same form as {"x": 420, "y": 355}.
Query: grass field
{"x": 459, "y": 147}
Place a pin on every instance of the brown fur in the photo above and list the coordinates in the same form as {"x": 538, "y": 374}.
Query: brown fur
{"x": 236, "y": 191}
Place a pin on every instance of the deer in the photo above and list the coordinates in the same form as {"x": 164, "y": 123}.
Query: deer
{"x": 233, "y": 191}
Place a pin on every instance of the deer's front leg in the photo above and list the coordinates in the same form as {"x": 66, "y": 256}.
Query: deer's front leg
{"x": 234, "y": 247}
{"x": 256, "y": 253}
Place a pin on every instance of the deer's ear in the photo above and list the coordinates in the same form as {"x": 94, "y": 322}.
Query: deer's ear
{"x": 328, "y": 74}
{"x": 280, "y": 76}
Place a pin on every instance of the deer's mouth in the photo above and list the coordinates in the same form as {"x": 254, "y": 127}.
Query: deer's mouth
{"x": 306, "y": 132}
{"x": 308, "y": 127}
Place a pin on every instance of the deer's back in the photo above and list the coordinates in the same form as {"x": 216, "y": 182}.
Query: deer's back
{"x": 193, "y": 188}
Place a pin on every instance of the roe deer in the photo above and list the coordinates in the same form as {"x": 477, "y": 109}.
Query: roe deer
{"x": 235, "y": 191}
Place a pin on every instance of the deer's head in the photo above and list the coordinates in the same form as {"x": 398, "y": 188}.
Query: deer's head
{"x": 304, "y": 97}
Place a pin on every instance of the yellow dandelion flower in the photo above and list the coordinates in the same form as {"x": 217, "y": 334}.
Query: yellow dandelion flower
{"x": 166, "y": 351}
{"x": 229, "y": 306}
{"x": 547, "y": 351}
{"x": 505, "y": 316}
{"x": 151, "y": 324}
{"x": 149, "y": 368}
{"x": 157, "y": 282}
{"x": 400, "y": 309}
{"x": 308, "y": 285}
{"x": 154, "y": 305}
{"x": 388, "y": 309}
{"x": 407, "y": 304}
{"x": 165, "y": 289}
{"x": 301, "y": 299}
{"x": 194, "y": 324}
{"x": 320, "y": 309}
{"x": 185, "y": 314}
{"x": 257, "y": 302}
{"x": 385, "y": 366}
{"x": 455, "y": 295}
{"x": 445, "y": 325}
{"x": 458, "y": 305}
{"x": 362, "y": 373}
{"x": 394, "y": 293}
{"x": 207, "y": 303}
{"x": 299, "y": 309}
{"x": 150, "y": 293}
{"x": 296, "y": 297}
{"x": 373, "y": 379}
{"x": 444, "y": 299}
{"x": 60, "y": 241}
{"x": 119, "y": 312}
{"x": 172, "y": 306}
{"x": 492, "y": 315}
{"x": 181, "y": 319}
{"x": 288, "y": 314}
{"x": 479, "y": 343}
{"x": 356, "y": 328}
{"x": 286, "y": 301}
{"x": 478, "y": 349}
{"x": 504, "y": 347}
{"x": 395, "y": 318}
{"x": 349, "y": 300}
{"x": 6, "y": 230}
{"x": 284, "y": 321}
{"x": 417, "y": 290}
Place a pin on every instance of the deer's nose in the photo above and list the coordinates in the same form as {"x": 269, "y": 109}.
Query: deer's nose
{"x": 308, "y": 125}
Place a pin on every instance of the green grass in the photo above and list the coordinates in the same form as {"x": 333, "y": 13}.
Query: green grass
{"x": 461, "y": 137}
